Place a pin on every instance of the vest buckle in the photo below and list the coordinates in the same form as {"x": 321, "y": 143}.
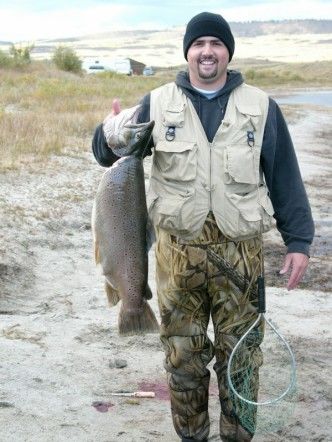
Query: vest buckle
{"x": 250, "y": 138}
{"x": 170, "y": 133}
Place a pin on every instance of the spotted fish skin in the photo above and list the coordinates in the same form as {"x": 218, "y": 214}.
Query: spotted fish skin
{"x": 119, "y": 223}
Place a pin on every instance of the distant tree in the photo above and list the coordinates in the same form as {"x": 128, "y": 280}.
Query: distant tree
{"x": 21, "y": 55}
{"x": 66, "y": 59}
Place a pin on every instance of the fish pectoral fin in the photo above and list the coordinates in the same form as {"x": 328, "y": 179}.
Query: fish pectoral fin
{"x": 112, "y": 294}
{"x": 137, "y": 322}
{"x": 148, "y": 293}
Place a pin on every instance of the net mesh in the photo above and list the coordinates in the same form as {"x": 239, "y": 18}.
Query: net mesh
{"x": 261, "y": 376}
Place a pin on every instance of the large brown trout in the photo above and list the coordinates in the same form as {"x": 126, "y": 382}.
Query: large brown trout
{"x": 119, "y": 225}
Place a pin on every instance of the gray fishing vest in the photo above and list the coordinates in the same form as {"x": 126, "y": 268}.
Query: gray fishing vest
{"x": 191, "y": 176}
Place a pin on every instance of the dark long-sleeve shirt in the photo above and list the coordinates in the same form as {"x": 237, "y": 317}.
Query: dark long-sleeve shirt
{"x": 278, "y": 159}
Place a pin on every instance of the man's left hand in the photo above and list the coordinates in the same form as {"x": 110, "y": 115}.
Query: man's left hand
{"x": 297, "y": 263}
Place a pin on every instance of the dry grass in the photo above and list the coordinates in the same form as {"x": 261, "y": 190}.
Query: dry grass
{"x": 290, "y": 74}
{"x": 45, "y": 111}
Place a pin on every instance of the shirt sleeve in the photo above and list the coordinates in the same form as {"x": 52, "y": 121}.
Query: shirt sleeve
{"x": 283, "y": 178}
{"x": 101, "y": 151}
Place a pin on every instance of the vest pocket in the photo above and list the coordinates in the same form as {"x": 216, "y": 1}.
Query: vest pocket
{"x": 249, "y": 214}
{"x": 174, "y": 115}
{"x": 173, "y": 213}
{"x": 176, "y": 160}
{"x": 242, "y": 164}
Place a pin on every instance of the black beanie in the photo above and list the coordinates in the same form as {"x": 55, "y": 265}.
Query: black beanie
{"x": 206, "y": 24}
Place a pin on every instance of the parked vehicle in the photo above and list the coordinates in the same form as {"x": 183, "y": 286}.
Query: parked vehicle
{"x": 95, "y": 66}
{"x": 148, "y": 71}
{"x": 129, "y": 66}
{"x": 125, "y": 66}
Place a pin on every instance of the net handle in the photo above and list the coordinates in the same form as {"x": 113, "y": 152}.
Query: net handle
{"x": 261, "y": 294}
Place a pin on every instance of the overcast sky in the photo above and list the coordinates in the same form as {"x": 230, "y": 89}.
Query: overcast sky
{"x": 31, "y": 20}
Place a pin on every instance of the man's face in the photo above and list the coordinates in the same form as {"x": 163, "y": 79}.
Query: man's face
{"x": 208, "y": 59}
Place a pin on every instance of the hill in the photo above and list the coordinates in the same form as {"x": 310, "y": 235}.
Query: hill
{"x": 255, "y": 28}
{"x": 282, "y": 41}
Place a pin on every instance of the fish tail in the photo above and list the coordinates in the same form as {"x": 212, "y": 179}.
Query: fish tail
{"x": 137, "y": 322}
{"x": 112, "y": 294}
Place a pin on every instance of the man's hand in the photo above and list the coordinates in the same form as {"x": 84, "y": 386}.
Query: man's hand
{"x": 297, "y": 263}
{"x": 115, "y": 121}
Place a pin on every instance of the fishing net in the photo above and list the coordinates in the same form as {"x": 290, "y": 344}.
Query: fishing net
{"x": 262, "y": 379}
{"x": 261, "y": 371}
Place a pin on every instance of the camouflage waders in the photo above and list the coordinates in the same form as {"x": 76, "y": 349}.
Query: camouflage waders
{"x": 190, "y": 289}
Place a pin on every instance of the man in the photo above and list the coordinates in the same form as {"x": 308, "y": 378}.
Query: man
{"x": 223, "y": 163}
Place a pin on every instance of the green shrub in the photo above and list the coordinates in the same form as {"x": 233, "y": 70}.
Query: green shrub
{"x": 17, "y": 57}
{"x": 21, "y": 55}
{"x": 66, "y": 59}
{"x": 5, "y": 60}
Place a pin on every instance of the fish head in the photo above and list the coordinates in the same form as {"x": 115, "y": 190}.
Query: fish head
{"x": 133, "y": 139}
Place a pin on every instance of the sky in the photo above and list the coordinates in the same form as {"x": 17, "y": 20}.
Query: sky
{"x": 31, "y": 20}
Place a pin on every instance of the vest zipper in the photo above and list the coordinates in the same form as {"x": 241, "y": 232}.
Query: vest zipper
{"x": 210, "y": 179}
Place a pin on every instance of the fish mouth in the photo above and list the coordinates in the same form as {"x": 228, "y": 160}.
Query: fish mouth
{"x": 140, "y": 127}
{"x": 147, "y": 131}
{"x": 141, "y": 130}
{"x": 144, "y": 136}
{"x": 134, "y": 138}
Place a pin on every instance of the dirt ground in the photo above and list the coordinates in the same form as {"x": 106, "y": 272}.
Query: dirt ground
{"x": 61, "y": 356}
